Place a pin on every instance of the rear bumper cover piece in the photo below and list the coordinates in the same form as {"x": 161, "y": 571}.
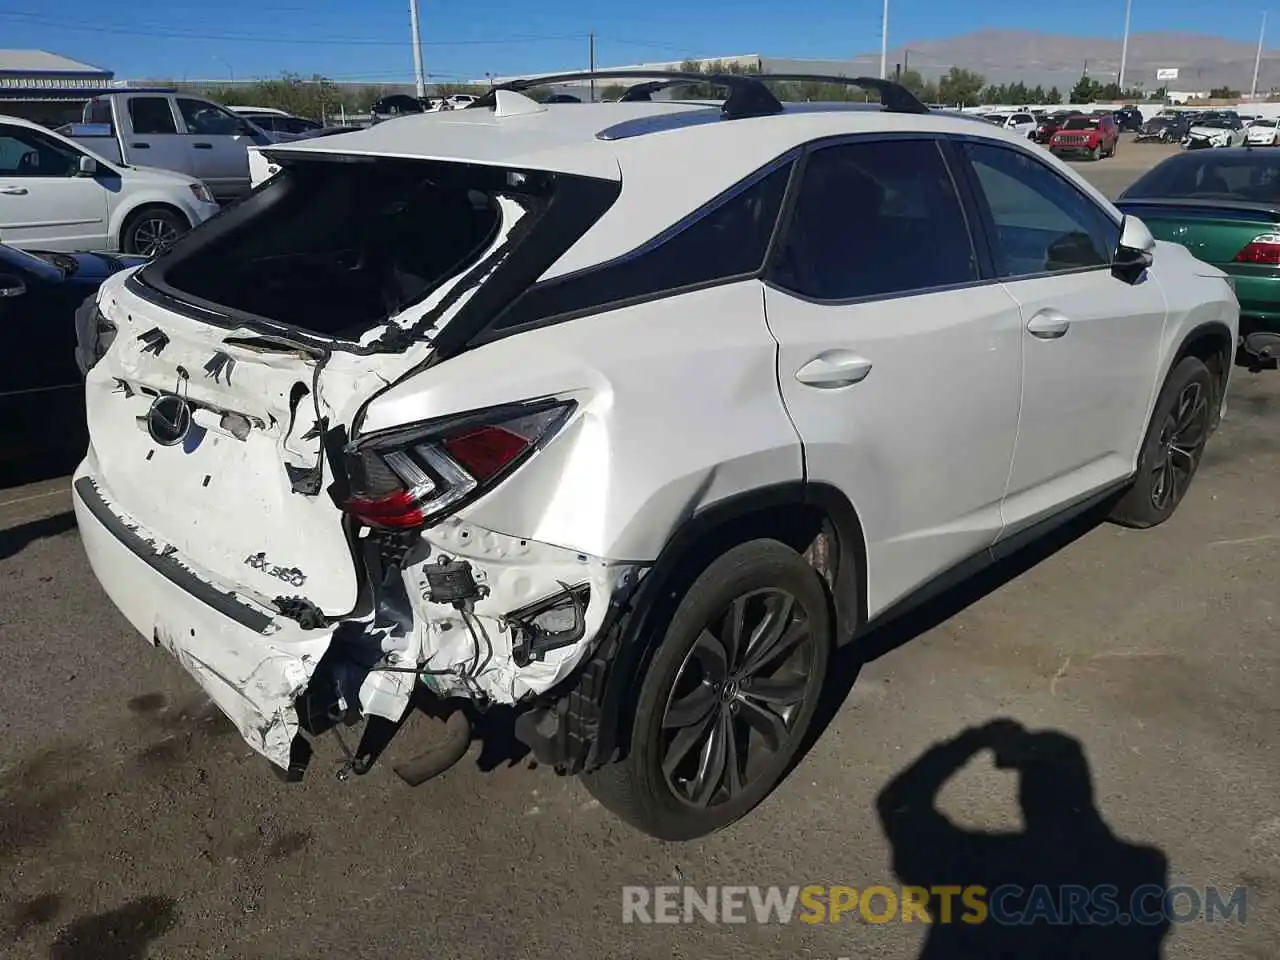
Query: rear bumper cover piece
{"x": 251, "y": 664}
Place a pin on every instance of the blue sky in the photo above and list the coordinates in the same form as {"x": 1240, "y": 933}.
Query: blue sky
{"x": 202, "y": 40}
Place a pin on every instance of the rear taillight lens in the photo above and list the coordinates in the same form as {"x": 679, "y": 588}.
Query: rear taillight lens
{"x": 408, "y": 480}
{"x": 1261, "y": 249}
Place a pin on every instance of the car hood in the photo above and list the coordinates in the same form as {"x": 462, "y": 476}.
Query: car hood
{"x": 1211, "y": 132}
{"x": 156, "y": 176}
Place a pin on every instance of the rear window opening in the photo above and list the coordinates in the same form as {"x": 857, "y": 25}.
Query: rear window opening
{"x": 335, "y": 248}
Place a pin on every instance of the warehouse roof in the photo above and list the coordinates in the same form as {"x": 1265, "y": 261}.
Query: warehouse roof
{"x": 32, "y": 63}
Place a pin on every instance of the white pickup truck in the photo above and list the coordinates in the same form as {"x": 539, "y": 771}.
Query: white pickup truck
{"x": 173, "y": 131}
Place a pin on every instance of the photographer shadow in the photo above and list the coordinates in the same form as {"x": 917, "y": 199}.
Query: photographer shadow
{"x": 1064, "y": 887}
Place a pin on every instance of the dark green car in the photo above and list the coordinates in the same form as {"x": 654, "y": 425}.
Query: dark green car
{"x": 1224, "y": 206}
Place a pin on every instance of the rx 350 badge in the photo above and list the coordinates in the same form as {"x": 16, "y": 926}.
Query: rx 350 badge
{"x": 290, "y": 575}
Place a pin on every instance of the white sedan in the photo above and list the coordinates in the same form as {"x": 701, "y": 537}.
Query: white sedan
{"x": 56, "y": 195}
{"x": 1263, "y": 132}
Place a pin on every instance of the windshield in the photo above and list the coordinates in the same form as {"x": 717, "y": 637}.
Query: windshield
{"x": 1264, "y": 123}
{"x": 1215, "y": 123}
{"x": 1251, "y": 178}
{"x": 1082, "y": 123}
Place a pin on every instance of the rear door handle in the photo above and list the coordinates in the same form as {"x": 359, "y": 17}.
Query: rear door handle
{"x": 203, "y": 146}
{"x": 141, "y": 145}
{"x": 1048, "y": 325}
{"x": 834, "y": 368}
{"x": 14, "y": 191}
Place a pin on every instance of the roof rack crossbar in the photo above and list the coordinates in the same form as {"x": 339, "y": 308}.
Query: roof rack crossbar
{"x": 894, "y": 96}
{"x": 749, "y": 94}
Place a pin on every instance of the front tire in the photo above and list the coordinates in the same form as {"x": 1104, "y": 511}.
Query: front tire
{"x": 1171, "y": 451}
{"x": 727, "y": 698}
{"x": 1096, "y": 153}
{"x": 151, "y": 230}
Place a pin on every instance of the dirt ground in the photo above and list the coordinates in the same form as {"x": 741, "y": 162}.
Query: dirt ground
{"x": 134, "y": 822}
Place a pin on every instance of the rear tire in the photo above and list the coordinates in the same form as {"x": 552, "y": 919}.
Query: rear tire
{"x": 150, "y": 230}
{"x": 1171, "y": 450}
{"x": 722, "y": 712}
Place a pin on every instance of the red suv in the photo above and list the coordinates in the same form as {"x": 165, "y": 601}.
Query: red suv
{"x": 1094, "y": 137}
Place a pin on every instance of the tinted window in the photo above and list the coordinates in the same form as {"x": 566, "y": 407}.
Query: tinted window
{"x": 207, "y": 120}
{"x": 730, "y": 240}
{"x": 1042, "y": 223}
{"x": 151, "y": 115}
{"x": 1023, "y": 118}
{"x": 1197, "y": 174}
{"x": 1082, "y": 123}
{"x": 28, "y": 153}
{"x": 873, "y": 219}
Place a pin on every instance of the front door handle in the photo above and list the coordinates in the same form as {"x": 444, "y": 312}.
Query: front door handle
{"x": 834, "y": 368}
{"x": 14, "y": 191}
{"x": 1048, "y": 325}
{"x": 203, "y": 146}
{"x": 140, "y": 145}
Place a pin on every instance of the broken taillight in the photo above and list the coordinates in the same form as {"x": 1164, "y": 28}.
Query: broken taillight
{"x": 405, "y": 481}
{"x": 1263, "y": 249}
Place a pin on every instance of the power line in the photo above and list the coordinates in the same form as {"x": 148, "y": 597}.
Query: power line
{"x": 98, "y": 27}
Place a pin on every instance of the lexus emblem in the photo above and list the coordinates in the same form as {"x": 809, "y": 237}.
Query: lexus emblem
{"x": 169, "y": 419}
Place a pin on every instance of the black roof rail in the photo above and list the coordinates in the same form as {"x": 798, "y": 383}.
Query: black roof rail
{"x": 894, "y": 96}
{"x": 749, "y": 94}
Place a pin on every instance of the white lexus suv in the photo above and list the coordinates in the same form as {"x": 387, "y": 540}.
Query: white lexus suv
{"x": 627, "y": 414}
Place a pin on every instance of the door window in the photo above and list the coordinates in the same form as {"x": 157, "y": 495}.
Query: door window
{"x": 209, "y": 120}
{"x": 728, "y": 241}
{"x": 876, "y": 219}
{"x": 1042, "y": 223}
{"x": 151, "y": 115}
{"x": 28, "y": 153}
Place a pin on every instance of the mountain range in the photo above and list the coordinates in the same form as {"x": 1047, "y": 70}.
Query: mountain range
{"x": 1007, "y": 56}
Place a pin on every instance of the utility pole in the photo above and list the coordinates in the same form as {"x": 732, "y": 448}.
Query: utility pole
{"x": 1257, "y": 61}
{"x": 884, "y": 43}
{"x": 1124, "y": 46}
{"x": 418, "y": 75}
{"x": 591, "y": 59}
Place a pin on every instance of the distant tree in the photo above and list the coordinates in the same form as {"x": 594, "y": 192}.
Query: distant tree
{"x": 613, "y": 91}
{"x": 1224, "y": 93}
{"x": 960, "y": 87}
{"x": 537, "y": 93}
{"x": 1037, "y": 94}
{"x": 1018, "y": 93}
{"x": 1053, "y": 96}
{"x": 1083, "y": 91}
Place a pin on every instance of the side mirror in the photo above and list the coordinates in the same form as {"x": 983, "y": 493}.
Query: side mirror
{"x": 88, "y": 167}
{"x": 1135, "y": 252}
{"x": 11, "y": 286}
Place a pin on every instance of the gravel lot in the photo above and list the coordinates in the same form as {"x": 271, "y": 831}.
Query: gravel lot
{"x": 134, "y": 823}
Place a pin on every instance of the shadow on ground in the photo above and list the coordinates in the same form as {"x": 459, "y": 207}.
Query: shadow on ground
{"x": 14, "y": 539}
{"x": 1064, "y": 887}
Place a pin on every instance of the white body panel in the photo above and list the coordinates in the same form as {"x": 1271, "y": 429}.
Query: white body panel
{"x": 1085, "y": 392}
{"x": 945, "y": 375}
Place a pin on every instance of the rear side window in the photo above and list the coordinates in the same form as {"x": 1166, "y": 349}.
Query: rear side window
{"x": 151, "y": 115}
{"x": 729, "y": 240}
{"x": 876, "y": 219}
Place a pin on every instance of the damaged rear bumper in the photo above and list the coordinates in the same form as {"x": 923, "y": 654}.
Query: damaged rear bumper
{"x": 262, "y": 667}
{"x": 252, "y": 664}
